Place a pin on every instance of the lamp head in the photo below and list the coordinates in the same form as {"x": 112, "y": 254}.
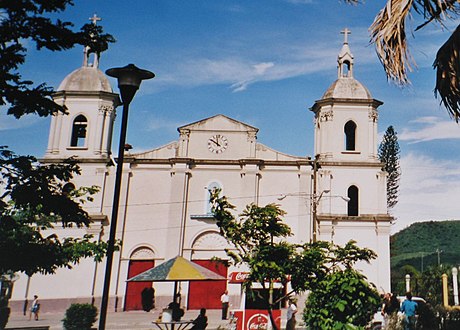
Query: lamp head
{"x": 129, "y": 79}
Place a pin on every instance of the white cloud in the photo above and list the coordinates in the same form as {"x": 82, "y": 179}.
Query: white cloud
{"x": 429, "y": 190}
{"x": 154, "y": 124}
{"x": 239, "y": 73}
{"x": 9, "y": 122}
{"x": 432, "y": 128}
{"x": 286, "y": 60}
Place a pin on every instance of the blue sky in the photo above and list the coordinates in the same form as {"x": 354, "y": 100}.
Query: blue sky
{"x": 263, "y": 62}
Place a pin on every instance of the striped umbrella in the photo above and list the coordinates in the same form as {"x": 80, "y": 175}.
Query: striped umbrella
{"x": 176, "y": 269}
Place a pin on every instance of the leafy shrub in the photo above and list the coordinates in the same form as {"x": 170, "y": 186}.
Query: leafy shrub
{"x": 426, "y": 317}
{"x": 342, "y": 300}
{"x": 449, "y": 318}
{"x": 80, "y": 317}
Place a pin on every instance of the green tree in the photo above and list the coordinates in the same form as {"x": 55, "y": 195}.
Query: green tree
{"x": 36, "y": 197}
{"x": 28, "y": 20}
{"x": 431, "y": 283}
{"x": 259, "y": 235}
{"x": 389, "y": 33}
{"x": 342, "y": 300}
{"x": 389, "y": 155}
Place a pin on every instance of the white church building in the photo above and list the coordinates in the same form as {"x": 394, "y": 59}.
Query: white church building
{"x": 164, "y": 206}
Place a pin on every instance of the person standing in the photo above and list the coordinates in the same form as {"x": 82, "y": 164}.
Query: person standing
{"x": 35, "y": 308}
{"x": 291, "y": 311}
{"x": 409, "y": 307}
{"x": 224, "y": 300}
{"x": 148, "y": 299}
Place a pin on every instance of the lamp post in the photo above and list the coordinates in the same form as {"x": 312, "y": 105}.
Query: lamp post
{"x": 129, "y": 79}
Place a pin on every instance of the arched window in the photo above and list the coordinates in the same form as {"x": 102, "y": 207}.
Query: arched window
{"x": 353, "y": 202}
{"x": 209, "y": 189}
{"x": 346, "y": 69}
{"x": 79, "y": 129}
{"x": 350, "y": 135}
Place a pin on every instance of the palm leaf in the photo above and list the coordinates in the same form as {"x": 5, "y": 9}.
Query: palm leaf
{"x": 435, "y": 10}
{"x": 447, "y": 65}
{"x": 389, "y": 36}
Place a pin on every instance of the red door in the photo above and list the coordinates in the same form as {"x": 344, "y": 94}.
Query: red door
{"x": 206, "y": 294}
{"x": 133, "y": 299}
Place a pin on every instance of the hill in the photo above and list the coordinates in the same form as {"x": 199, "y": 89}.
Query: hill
{"x": 423, "y": 243}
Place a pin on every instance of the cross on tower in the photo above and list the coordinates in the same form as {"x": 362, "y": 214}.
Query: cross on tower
{"x": 94, "y": 19}
{"x": 345, "y": 32}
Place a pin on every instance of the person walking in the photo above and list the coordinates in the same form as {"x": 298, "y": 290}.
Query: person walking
{"x": 291, "y": 311}
{"x": 409, "y": 307}
{"x": 224, "y": 300}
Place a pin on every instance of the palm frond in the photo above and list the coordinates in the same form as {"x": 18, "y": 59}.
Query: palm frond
{"x": 447, "y": 65}
{"x": 435, "y": 10}
{"x": 389, "y": 36}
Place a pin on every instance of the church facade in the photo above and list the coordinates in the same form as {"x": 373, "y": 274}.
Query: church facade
{"x": 337, "y": 195}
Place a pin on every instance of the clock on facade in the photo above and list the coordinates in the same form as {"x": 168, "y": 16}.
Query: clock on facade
{"x": 217, "y": 143}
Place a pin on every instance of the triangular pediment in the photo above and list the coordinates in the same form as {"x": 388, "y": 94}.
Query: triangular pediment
{"x": 218, "y": 123}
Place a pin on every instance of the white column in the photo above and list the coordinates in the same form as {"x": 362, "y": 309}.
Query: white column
{"x": 407, "y": 283}
{"x": 99, "y": 131}
{"x": 455, "y": 284}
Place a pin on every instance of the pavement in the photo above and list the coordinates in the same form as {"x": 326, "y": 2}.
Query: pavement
{"x": 119, "y": 320}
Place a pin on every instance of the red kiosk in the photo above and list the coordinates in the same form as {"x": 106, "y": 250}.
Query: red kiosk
{"x": 252, "y": 314}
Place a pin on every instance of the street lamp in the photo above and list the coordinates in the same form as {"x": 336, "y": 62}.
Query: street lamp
{"x": 129, "y": 79}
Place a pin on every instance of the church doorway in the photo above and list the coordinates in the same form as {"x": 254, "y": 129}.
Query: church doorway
{"x": 206, "y": 294}
{"x": 140, "y": 261}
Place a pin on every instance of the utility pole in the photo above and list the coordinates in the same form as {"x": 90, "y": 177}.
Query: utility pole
{"x": 315, "y": 198}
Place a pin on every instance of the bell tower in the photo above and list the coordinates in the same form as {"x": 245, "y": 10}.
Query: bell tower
{"x": 350, "y": 186}
{"x": 85, "y": 131}
{"x": 346, "y": 116}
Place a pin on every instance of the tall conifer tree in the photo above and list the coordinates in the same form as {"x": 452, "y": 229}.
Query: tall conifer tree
{"x": 389, "y": 156}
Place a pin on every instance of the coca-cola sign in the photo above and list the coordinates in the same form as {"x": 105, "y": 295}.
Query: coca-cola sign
{"x": 237, "y": 277}
{"x": 257, "y": 322}
{"x": 240, "y": 277}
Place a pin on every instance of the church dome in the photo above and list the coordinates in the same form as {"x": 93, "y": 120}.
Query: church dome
{"x": 347, "y": 88}
{"x": 86, "y": 79}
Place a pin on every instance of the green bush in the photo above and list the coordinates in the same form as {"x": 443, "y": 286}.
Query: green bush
{"x": 427, "y": 318}
{"x": 341, "y": 300}
{"x": 451, "y": 319}
{"x": 80, "y": 317}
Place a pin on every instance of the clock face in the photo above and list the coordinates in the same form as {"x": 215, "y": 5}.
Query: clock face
{"x": 217, "y": 143}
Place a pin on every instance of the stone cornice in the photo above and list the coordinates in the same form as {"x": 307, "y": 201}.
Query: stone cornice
{"x": 361, "y": 218}
{"x": 239, "y": 162}
{"x": 331, "y": 101}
